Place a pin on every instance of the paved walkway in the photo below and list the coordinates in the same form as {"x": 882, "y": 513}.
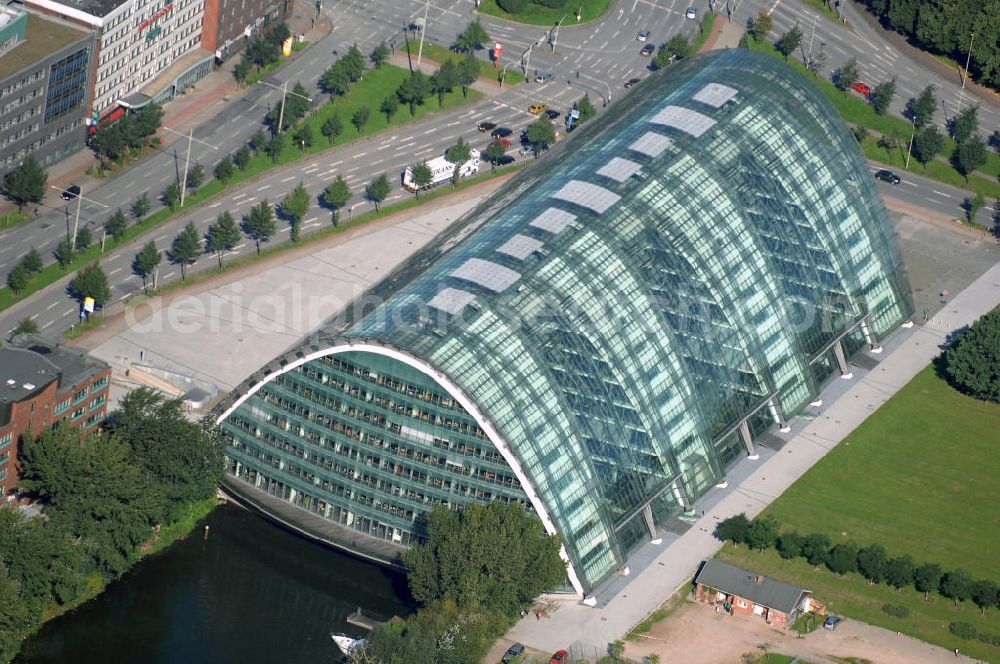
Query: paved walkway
{"x": 573, "y": 622}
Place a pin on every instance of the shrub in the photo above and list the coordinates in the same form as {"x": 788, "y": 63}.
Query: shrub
{"x": 896, "y": 610}
{"x": 512, "y": 6}
{"x": 963, "y": 630}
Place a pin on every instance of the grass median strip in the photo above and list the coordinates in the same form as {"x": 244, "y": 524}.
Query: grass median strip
{"x": 487, "y": 73}
{"x": 538, "y": 15}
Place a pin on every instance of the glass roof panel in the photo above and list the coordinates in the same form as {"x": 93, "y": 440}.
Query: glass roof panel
{"x": 651, "y": 144}
{"x": 553, "y": 220}
{"x": 619, "y": 169}
{"x": 588, "y": 195}
{"x": 715, "y": 94}
{"x": 487, "y": 274}
{"x": 451, "y": 300}
{"x": 684, "y": 119}
{"x": 520, "y": 246}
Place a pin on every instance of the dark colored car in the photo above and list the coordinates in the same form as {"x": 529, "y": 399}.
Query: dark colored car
{"x": 832, "y": 622}
{"x": 505, "y": 160}
{"x": 647, "y": 49}
{"x": 487, "y": 126}
{"x": 513, "y": 652}
{"x": 560, "y": 657}
{"x": 501, "y": 132}
{"x": 70, "y": 192}
{"x": 552, "y": 114}
{"x": 632, "y": 81}
{"x": 885, "y": 175}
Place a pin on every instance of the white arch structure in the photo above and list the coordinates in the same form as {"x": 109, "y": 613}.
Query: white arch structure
{"x": 456, "y": 393}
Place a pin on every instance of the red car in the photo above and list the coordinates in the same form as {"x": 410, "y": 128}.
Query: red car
{"x": 504, "y": 143}
{"x": 559, "y": 658}
{"x": 861, "y": 88}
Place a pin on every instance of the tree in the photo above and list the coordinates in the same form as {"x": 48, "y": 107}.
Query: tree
{"x": 354, "y": 63}
{"x": 295, "y": 205}
{"x": 336, "y": 80}
{"x": 171, "y": 196}
{"x": 678, "y": 46}
{"x": 258, "y": 142}
{"x": 83, "y": 239}
{"x": 586, "y": 108}
{"x": 972, "y": 205}
{"x": 761, "y": 26}
{"x": 444, "y": 80}
{"x": 336, "y": 196}
{"x": 116, "y": 225}
{"x": 259, "y": 224}
{"x": 25, "y": 326}
{"x": 762, "y": 533}
{"x": 927, "y": 143}
{"x": 965, "y": 125}
{"x": 26, "y": 183}
{"x": 882, "y": 95}
{"x": 332, "y": 128}
{"x": 379, "y": 55}
{"x": 789, "y": 41}
{"x": 185, "y": 248}
{"x": 843, "y": 558}
{"x": 872, "y": 563}
{"x": 956, "y": 585}
{"x": 922, "y": 108}
{"x": 985, "y": 594}
{"x": 789, "y": 545}
{"x": 17, "y": 279}
{"x": 378, "y": 190}
{"x": 816, "y": 548}
{"x": 145, "y": 263}
{"x": 140, "y": 207}
{"x": 468, "y": 73}
{"x": 242, "y": 157}
{"x": 304, "y": 136}
{"x": 422, "y": 177}
{"x": 506, "y": 558}
{"x": 297, "y": 101}
{"x": 845, "y": 75}
{"x": 972, "y": 363}
{"x": 398, "y": 642}
{"x": 413, "y": 91}
{"x": 541, "y": 134}
{"x": 360, "y": 118}
{"x": 735, "y": 529}
{"x": 224, "y": 169}
{"x": 91, "y": 281}
{"x": 32, "y": 261}
{"x": 222, "y": 236}
{"x": 147, "y": 120}
{"x": 195, "y": 178}
{"x": 927, "y": 578}
{"x": 472, "y": 38}
{"x": 64, "y": 253}
{"x": 494, "y": 152}
{"x": 899, "y": 572}
{"x": 970, "y": 156}
{"x": 389, "y": 107}
{"x": 275, "y": 147}
{"x": 242, "y": 71}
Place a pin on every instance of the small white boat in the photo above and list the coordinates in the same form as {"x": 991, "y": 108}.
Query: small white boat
{"x": 347, "y": 643}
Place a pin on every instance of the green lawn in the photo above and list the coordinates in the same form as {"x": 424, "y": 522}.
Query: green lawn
{"x": 703, "y": 32}
{"x": 9, "y": 220}
{"x": 915, "y": 477}
{"x": 487, "y": 73}
{"x": 538, "y": 15}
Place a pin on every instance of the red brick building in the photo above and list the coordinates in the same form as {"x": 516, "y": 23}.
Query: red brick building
{"x": 230, "y": 23}
{"x": 742, "y": 592}
{"x": 42, "y": 383}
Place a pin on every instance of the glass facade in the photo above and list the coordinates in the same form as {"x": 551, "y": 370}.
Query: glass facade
{"x": 605, "y": 335}
{"x": 68, "y": 82}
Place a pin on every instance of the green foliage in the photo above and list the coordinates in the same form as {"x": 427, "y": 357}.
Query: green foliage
{"x": 762, "y": 533}
{"x": 195, "y": 178}
{"x": 336, "y": 80}
{"x": 354, "y": 63}
{"x": 32, "y": 261}
{"x": 17, "y": 279}
{"x": 843, "y": 558}
{"x": 965, "y": 125}
{"x": 222, "y": 236}
{"x": 275, "y": 146}
{"x": 927, "y": 577}
{"x": 333, "y": 127}
{"x": 296, "y": 203}
{"x": 422, "y": 176}
{"x": 132, "y": 132}
{"x": 83, "y": 239}
{"x": 171, "y": 196}
{"x": 963, "y": 630}
{"x": 379, "y": 55}
{"x": 512, "y": 6}
{"x": 389, "y": 106}
{"x": 140, "y": 207}
{"x": 467, "y": 72}
{"x": 734, "y": 529}
{"x": 789, "y": 545}
{"x": 972, "y": 205}
{"x": 494, "y": 151}
{"x": 444, "y": 79}
{"x": 816, "y": 548}
{"x": 116, "y": 225}
{"x": 91, "y": 281}
{"x": 242, "y": 157}
{"x": 360, "y": 118}
{"x": 505, "y": 558}
{"x": 541, "y": 133}
{"x": 922, "y": 108}
{"x": 985, "y": 594}
{"x": 146, "y": 262}
{"x": 762, "y": 25}
{"x": 972, "y": 363}
{"x": 304, "y": 136}
{"x": 258, "y": 224}
{"x": 873, "y": 563}
{"x": 789, "y": 41}
{"x": 586, "y": 108}
{"x": 26, "y": 183}
{"x": 378, "y": 190}
{"x": 882, "y": 95}
{"x": 956, "y": 585}
{"x": 185, "y": 248}
{"x": 25, "y": 326}
{"x": 472, "y": 38}
{"x": 846, "y": 74}
{"x": 336, "y": 196}
{"x": 242, "y": 70}
{"x": 927, "y": 144}
{"x": 896, "y": 611}
{"x": 970, "y": 155}
{"x": 414, "y": 91}
{"x": 64, "y": 253}
{"x": 258, "y": 142}
{"x": 224, "y": 169}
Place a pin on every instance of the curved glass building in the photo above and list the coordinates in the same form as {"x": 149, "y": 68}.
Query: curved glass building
{"x": 601, "y": 338}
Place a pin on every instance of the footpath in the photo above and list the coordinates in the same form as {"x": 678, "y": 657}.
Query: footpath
{"x": 208, "y": 98}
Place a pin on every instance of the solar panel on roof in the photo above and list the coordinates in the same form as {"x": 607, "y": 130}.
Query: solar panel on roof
{"x": 588, "y": 195}
{"x": 684, "y": 119}
{"x": 451, "y": 300}
{"x": 487, "y": 274}
{"x": 715, "y": 94}
{"x": 619, "y": 169}
{"x": 553, "y": 220}
{"x": 651, "y": 144}
{"x": 520, "y": 246}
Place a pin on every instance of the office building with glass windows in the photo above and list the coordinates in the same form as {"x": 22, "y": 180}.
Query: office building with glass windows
{"x": 598, "y": 341}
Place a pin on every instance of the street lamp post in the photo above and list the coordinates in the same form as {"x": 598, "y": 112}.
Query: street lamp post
{"x": 76, "y": 219}
{"x": 187, "y": 159}
{"x": 423, "y": 29}
{"x": 555, "y": 33}
{"x": 968, "y": 60}
{"x": 503, "y": 73}
{"x": 913, "y": 130}
{"x": 284, "y": 93}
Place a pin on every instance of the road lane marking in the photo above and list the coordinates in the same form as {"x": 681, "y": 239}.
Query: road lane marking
{"x": 215, "y": 205}
{"x": 71, "y": 310}
{"x": 117, "y": 269}
{"x": 162, "y": 237}
{"x": 51, "y": 305}
{"x": 290, "y": 177}
{"x": 167, "y": 276}
{"x": 262, "y": 188}
{"x": 47, "y": 324}
{"x": 239, "y": 246}
{"x": 239, "y": 195}
{"x": 941, "y": 193}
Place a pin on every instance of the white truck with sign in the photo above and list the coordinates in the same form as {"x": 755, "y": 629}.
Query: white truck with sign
{"x": 442, "y": 170}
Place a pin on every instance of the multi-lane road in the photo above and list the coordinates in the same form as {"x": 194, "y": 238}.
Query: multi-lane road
{"x": 596, "y": 58}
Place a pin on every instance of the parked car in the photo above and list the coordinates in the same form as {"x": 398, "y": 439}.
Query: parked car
{"x": 527, "y": 151}
{"x": 552, "y": 114}
{"x": 560, "y": 657}
{"x": 643, "y": 35}
{"x": 537, "y": 109}
{"x": 70, "y": 192}
{"x": 505, "y": 160}
{"x": 632, "y": 81}
{"x": 832, "y": 622}
{"x": 885, "y": 175}
{"x": 501, "y": 132}
{"x": 691, "y": 13}
{"x": 515, "y": 650}
{"x": 543, "y": 77}
{"x": 647, "y": 49}
{"x": 505, "y": 143}
{"x": 487, "y": 126}
{"x": 861, "y": 88}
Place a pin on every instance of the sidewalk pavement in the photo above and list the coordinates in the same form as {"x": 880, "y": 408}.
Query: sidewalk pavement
{"x": 725, "y": 34}
{"x": 208, "y": 98}
{"x": 907, "y": 353}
